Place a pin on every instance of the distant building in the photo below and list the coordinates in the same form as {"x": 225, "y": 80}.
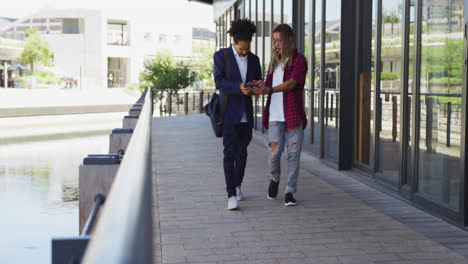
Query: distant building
{"x": 203, "y": 38}
{"x": 101, "y": 48}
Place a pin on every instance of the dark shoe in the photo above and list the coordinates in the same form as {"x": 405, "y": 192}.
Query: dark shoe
{"x": 289, "y": 200}
{"x": 273, "y": 190}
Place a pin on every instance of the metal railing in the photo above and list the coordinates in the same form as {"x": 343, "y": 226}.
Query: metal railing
{"x": 98, "y": 202}
{"x": 124, "y": 231}
{"x": 180, "y": 102}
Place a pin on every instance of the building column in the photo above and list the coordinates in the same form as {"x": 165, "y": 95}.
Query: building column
{"x": 348, "y": 70}
{"x": 298, "y": 24}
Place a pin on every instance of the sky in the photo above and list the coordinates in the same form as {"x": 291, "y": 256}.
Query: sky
{"x": 177, "y": 11}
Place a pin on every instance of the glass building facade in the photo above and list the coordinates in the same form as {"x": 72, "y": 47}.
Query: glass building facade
{"x": 385, "y": 92}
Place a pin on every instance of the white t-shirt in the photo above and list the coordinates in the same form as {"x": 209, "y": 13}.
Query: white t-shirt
{"x": 242, "y": 64}
{"x": 276, "y": 103}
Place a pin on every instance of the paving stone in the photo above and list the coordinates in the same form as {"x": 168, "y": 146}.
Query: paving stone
{"x": 338, "y": 219}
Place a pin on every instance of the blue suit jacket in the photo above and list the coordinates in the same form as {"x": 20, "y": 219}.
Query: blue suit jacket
{"x": 237, "y": 101}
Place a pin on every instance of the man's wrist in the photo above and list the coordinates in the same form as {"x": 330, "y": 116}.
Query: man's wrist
{"x": 270, "y": 91}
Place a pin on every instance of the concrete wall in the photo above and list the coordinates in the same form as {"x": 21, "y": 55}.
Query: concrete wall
{"x": 69, "y": 62}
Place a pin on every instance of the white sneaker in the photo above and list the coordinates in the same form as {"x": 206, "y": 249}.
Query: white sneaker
{"x": 239, "y": 194}
{"x": 233, "y": 204}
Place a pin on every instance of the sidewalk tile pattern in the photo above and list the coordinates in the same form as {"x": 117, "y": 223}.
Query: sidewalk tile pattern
{"x": 337, "y": 219}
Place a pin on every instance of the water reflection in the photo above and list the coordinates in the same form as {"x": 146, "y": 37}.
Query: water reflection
{"x": 39, "y": 194}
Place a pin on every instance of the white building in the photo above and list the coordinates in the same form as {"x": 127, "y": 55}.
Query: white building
{"x": 103, "y": 47}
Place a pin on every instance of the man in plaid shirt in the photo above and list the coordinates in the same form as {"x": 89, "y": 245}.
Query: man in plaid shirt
{"x": 284, "y": 114}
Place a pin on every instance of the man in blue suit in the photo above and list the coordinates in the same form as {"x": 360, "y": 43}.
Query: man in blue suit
{"x": 238, "y": 118}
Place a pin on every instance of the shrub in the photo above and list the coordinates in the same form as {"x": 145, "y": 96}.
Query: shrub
{"x": 388, "y": 76}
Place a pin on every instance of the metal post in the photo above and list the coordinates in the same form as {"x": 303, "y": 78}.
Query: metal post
{"x": 5, "y": 72}
{"x": 186, "y": 103}
{"x": 255, "y": 112}
{"x": 449, "y": 117}
{"x": 263, "y": 111}
{"x": 337, "y": 109}
{"x": 326, "y": 109}
{"x": 429, "y": 123}
{"x": 394, "y": 118}
{"x": 98, "y": 201}
{"x": 201, "y": 102}
{"x": 169, "y": 103}
{"x": 193, "y": 101}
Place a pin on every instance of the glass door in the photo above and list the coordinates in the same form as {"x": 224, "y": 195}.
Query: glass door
{"x": 440, "y": 112}
{"x": 389, "y": 93}
{"x": 315, "y": 78}
{"x": 367, "y": 54}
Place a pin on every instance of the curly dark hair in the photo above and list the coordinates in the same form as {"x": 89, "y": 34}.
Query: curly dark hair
{"x": 242, "y": 30}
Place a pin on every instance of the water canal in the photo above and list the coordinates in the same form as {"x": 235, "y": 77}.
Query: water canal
{"x": 39, "y": 160}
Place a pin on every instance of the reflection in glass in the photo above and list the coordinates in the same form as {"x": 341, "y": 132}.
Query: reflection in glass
{"x": 411, "y": 62}
{"x": 307, "y": 40}
{"x": 316, "y": 112}
{"x": 390, "y": 99}
{"x": 332, "y": 63}
{"x": 441, "y": 102}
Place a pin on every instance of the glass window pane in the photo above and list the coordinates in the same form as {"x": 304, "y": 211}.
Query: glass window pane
{"x": 227, "y": 25}
{"x": 390, "y": 98}
{"x": 268, "y": 41}
{"x": 260, "y": 29}
{"x": 316, "y": 111}
{"x": 332, "y": 68}
{"x": 288, "y": 12}
{"x": 117, "y": 34}
{"x": 441, "y": 102}
{"x": 308, "y": 6}
{"x": 412, "y": 58}
{"x": 253, "y": 18}
{"x": 276, "y": 13}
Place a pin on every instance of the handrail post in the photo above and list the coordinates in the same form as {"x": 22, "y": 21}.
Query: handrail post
{"x": 201, "y": 102}
{"x": 255, "y": 113}
{"x": 169, "y": 102}
{"x": 429, "y": 123}
{"x": 186, "y": 103}
{"x": 263, "y": 111}
{"x": 337, "y": 109}
{"x": 193, "y": 101}
{"x": 394, "y": 118}
{"x": 449, "y": 117}
{"x": 326, "y": 108}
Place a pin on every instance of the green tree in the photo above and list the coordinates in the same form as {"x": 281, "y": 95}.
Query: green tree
{"x": 161, "y": 74}
{"x": 445, "y": 60}
{"x": 202, "y": 63}
{"x": 36, "y": 49}
{"x": 390, "y": 18}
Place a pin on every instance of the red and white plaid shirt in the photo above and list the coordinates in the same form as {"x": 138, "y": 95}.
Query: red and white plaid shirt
{"x": 294, "y": 112}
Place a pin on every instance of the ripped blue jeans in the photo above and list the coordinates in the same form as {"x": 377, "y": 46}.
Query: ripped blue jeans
{"x": 278, "y": 136}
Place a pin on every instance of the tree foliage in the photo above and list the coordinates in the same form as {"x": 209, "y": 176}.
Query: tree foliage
{"x": 203, "y": 63}
{"x": 162, "y": 73}
{"x": 445, "y": 60}
{"x": 36, "y": 49}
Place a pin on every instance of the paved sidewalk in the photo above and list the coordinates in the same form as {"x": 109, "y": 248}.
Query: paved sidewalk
{"x": 337, "y": 220}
